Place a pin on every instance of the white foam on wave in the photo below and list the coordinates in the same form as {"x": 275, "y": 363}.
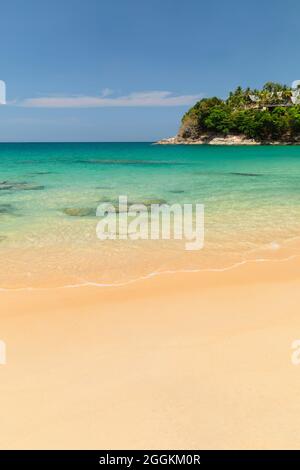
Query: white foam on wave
{"x": 274, "y": 246}
{"x": 149, "y": 276}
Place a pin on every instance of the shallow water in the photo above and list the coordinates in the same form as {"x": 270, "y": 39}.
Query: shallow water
{"x": 251, "y": 197}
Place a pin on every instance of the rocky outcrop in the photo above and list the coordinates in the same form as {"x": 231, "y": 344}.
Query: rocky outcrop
{"x": 209, "y": 140}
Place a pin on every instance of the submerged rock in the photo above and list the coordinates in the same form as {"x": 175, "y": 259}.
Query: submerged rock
{"x": 41, "y": 173}
{"x": 108, "y": 199}
{"x": 145, "y": 202}
{"x": 115, "y": 161}
{"x": 149, "y": 202}
{"x": 2, "y": 238}
{"x": 141, "y": 205}
{"x": 28, "y": 187}
{"x": 245, "y": 174}
{"x": 23, "y": 186}
{"x": 79, "y": 211}
{"x": 6, "y": 209}
{"x": 223, "y": 173}
{"x": 5, "y": 185}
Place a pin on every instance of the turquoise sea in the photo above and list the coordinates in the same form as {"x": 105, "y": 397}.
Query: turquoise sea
{"x": 251, "y": 197}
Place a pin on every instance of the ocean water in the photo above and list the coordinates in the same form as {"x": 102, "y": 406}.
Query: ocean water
{"x": 251, "y": 197}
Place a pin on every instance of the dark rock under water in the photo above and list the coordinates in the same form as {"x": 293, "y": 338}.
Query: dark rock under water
{"x": 6, "y": 209}
{"x": 20, "y": 186}
{"x": 91, "y": 211}
{"x": 145, "y": 202}
{"x": 223, "y": 173}
{"x": 245, "y": 174}
{"x": 114, "y": 161}
{"x": 79, "y": 211}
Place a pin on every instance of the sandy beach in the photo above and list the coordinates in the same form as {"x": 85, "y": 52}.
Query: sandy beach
{"x": 186, "y": 360}
{"x": 149, "y": 232}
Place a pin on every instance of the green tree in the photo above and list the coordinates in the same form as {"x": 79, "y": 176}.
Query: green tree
{"x": 219, "y": 119}
{"x": 275, "y": 117}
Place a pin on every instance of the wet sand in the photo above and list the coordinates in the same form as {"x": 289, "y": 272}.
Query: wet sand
{"x": 186, "y": 360}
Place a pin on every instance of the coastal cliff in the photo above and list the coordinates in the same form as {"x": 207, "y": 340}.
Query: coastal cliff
{"x": 270, "y": 116}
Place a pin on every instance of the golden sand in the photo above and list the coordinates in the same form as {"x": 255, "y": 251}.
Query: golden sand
{"x": 177, "y": 361}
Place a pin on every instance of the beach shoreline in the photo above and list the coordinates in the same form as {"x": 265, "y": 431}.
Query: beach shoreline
{"x": 183, "y": 360}
{"x": 142, "y": 344}
{"x": 216, "y": 139}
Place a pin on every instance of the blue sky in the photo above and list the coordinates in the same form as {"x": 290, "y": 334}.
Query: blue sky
{"x": 126, "y": 70}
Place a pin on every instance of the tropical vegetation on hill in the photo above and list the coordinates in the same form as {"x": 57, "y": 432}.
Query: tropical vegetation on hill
{"x": 272, "y": 113}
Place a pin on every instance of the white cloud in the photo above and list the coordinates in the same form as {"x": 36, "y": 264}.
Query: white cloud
{"x": 106, "y": 92}
{"x": 136, "y": 99}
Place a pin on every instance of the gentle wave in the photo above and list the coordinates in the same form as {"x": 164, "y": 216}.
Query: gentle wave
{"x": 150, "y": 275}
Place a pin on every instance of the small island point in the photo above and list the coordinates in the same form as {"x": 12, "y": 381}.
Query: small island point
{"x": 270, "y": 116}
